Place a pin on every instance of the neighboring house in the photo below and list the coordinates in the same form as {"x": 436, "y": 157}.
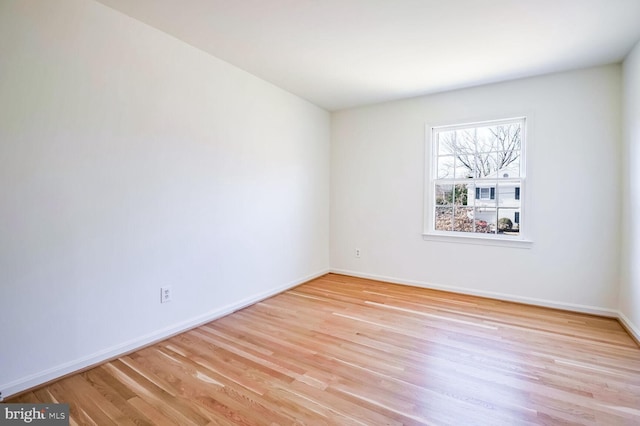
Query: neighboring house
{"x": 495, "y": 200}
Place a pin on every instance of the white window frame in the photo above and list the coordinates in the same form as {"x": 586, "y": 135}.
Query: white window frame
{"x": 430, "y": 233}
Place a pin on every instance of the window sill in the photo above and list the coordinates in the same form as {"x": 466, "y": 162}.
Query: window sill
{"x": 472, "y": 239}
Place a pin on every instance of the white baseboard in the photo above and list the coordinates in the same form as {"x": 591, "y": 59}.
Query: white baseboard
{"x": 490, "y": 294}
{"x": 631, "y": 327}
{"x": 37, "y": 379}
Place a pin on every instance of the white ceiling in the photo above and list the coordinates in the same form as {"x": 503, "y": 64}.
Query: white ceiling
{"x": 344, "y": 53}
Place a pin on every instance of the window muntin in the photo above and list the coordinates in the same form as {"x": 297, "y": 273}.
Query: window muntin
{"x": 477, "y": 178}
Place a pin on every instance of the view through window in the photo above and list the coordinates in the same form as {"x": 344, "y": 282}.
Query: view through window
{"x": 477, "y": 178}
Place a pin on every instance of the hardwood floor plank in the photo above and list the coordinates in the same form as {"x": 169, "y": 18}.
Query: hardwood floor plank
{"x": 27, "y": 398}
{"x": 341, "y": 350}
{"x": 116, "y": 394}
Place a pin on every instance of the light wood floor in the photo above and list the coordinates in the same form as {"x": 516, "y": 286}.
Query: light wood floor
{"x": 349, "y": 351}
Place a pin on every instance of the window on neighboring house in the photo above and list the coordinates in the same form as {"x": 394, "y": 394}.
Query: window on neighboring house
{"x": 486, "y": 193}
{"x": 477, "y": 172}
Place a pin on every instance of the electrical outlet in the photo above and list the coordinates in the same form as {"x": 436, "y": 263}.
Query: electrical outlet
{"x": 357, "y": 252}
{"x": 165, "y": 294}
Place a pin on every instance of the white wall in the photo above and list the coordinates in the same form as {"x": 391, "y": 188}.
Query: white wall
{"x": 377, "y": 166}
{"x": 128, "y": 161}
{"x": 630, "y": 283}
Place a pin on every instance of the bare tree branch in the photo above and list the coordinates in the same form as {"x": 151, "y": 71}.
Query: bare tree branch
{"x": 503, "y": 149}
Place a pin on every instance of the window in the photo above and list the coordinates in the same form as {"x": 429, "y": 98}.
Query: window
{"x": 486, "y": 193}
{"x": 475, "y": 180}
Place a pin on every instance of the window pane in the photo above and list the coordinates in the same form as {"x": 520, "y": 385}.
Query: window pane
{"x": 465, "y": 166}
{"x": 509, "y": 221}
{"x": 511, "y": 165}
{"x": 509, "y": 137}
{"x": 445, "y": 167}
{"x": 508, "y": 194}
{"x": 444, "y": 195}
{"x": 465, "y": 153}
{"x": 463, "y": 219}
{"x": 460, "y": 194}
{"x": 487, "y": 165}
{"x": 509, "y": 142}
{"x": 444, "y": 219}
{"x": 446, "y": 142}
{"x": 485, "y": 220}
{"x": 486, "y": 139}
{"x": 466, "y": 140}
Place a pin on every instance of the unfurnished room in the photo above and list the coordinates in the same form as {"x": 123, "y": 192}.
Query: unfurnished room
{"x": 320, "y": 212}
